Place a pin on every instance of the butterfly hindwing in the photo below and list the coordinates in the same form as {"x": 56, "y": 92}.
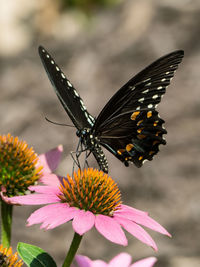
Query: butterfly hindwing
{"x": 137, "y": 139}
{"x": 66, "y": 93}
{"x": 129, "y": 125}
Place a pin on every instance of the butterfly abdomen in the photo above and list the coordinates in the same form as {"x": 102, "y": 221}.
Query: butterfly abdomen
{"x": 92, "y": 143}
{"x": 100, "y": 158}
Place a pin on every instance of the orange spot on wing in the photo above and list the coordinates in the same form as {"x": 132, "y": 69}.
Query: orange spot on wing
{"x": 139, "y": 122}
{"x": 120, "y": 151}
{"x": 141, "y": 136}
{"x": 141, "y": 157}
{"x": 129, "y": 147}
{"x": 149, "y": 114}
{"x": 151, "y": 153}
{"x": 158, "y": 133}
{"x": 140, "y": 130}
{"x": 134, "y": 115}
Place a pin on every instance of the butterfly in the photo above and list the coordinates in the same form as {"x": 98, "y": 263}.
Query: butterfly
{"x": 129, "y": 125}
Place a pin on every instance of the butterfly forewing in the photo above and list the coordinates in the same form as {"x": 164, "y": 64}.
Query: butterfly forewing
{"x": 74, "y": 106}
{"x": 66, "y": 93}
{"x": 129, "y": 126}
{"x": 144, "y": 90}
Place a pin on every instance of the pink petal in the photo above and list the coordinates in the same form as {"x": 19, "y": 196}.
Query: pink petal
{"x": 50, "y": 179}
{"x": 33, "y": 199}
{"x": 83, "y": 261}
{"x": 99, "y": 263}
{"x": 131, "y": 210}
{"x": 148, "y": 262}
{"x": 144, "y": 220}
{"x": 50, "y": 159}
{"x": 53, "y": 190}
{"x": 110, "y": 229}
{"x": 152, "y": 224}
{"x": 63, "y": 218}
{"x": 7, "y": 199}
{"x": 122, "y": 259}
{"x": 136, "y": 231}
{"x": 52, "y": 216}
{"x": 83, "y": 221}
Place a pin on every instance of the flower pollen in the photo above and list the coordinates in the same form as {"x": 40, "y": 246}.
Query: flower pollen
{"x": 17, "y": 165}
{"x": 91, "y": 190}
{"x": 8, "y": 259}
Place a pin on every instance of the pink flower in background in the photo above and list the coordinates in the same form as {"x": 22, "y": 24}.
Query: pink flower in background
{"x": 90, "y": 199}
{"x": 21, "y": 167}
{"x": 121, "y": 260}
{"x": 50, "y": 159}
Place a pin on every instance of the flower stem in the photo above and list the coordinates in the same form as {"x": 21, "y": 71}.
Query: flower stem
{"x": 72, "y": 250}
{"x": 6, "y": 224}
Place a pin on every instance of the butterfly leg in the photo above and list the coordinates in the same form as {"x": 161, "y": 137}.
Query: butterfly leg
{"x": 76, "y": 157}
{"x": 87, "y": 154}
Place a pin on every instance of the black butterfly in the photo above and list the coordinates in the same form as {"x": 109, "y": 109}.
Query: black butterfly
{"x": 129, "y": 125}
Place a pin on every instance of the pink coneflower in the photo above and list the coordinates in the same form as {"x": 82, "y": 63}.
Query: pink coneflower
{"x": 121, "y": 260}
{"x": 8, "y": 258}
{"x": 90, "y": 199}
{"x": 20, "y": 166}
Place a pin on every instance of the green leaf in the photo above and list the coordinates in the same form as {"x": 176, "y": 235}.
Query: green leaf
{"x": 34, "y": 256}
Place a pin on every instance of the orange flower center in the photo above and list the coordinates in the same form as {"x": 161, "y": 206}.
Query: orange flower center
{"x": 17, "y": 165}
{"x": 91, "y": 190}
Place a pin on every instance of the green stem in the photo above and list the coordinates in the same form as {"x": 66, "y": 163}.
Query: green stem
{"x": 6, "y": 224}
{"x": 72, "y": 250}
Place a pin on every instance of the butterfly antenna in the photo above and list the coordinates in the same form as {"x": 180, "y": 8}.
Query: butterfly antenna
{"x": 56, "y": 123}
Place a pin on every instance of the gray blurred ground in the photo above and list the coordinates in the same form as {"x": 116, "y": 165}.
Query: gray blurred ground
{"x": 99, "y": 57}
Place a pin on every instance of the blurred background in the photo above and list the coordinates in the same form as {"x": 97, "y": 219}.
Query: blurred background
{"x": 100, "y": 45}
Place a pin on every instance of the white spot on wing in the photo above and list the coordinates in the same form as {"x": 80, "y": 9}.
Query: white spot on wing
{"x": 164, "y": 79}
{"x": 47, "y": 56}
{"x": 69, "y": 83}
{"x": 62, "y": 74}
{"x": 82, "y": 104}
{"x": 90, "y": 121}
{"x": 75, "y": 92}
{"x": 52, "y": 62}
{"x": 138, "y": 108}
{"x": 57, "y": 68}
{"x": 146, "y": 91}
{"x": 150, "y": 106}
{"x": 155, "y": 96}
{"x": 147, "y": 80}
{"x": 159, "y": 87}
{"x": 148, "y": 84}
{"x": 141, "y": 100}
